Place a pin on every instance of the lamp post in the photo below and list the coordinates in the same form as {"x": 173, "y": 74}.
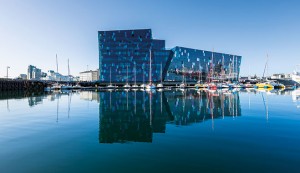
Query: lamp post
{"x": 7, "y": 71}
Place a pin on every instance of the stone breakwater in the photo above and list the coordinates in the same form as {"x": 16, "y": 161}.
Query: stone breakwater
{"x": 23, "y": 85}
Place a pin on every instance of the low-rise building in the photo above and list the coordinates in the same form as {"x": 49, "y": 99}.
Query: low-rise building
{"x": 89, "y": 75}
{"x": 23, "y": 76}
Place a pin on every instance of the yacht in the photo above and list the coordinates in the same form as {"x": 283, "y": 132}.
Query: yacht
{"x": 270, "y": 84}
{"x": 182, "y": 85}
{"x": 296, "y": 76}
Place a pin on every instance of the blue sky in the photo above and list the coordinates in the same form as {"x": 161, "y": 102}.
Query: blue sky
{"x": 33, "y": 31}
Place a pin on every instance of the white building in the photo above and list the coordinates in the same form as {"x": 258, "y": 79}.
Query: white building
{"x": 54, "y": 76}
{"x": 89, "y": 75}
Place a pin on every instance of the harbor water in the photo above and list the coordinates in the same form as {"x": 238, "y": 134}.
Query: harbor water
{"x": 150, "y": 131}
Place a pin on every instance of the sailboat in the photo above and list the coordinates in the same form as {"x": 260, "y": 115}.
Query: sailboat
{"x": 135, "y": 85}
{"x": 56, "y": 86}
{"x": 127, "y": 85}
{"x": 211, "y": 84}
{"x": 110, "y": 86}
{"x": 68, "y": 86}
{"x": 182, "y": 85}
{"x": 160, "y": 85}
{"x": 268, "y": 83}
{"x": 143, "y": 86}
{"x": 150, "y": 86}
{"x": 199, "y": 83}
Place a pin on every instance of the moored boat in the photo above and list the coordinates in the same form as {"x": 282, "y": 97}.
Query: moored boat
{"x": 264, "y": 85}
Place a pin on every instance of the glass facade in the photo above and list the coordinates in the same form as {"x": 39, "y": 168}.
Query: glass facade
{"x": 124, "y": 56}
{"x": 192, "y": 64}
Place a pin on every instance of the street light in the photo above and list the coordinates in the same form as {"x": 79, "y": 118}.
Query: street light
{"x": 7, "y": 71}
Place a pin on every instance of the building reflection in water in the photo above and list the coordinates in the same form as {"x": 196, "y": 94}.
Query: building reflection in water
{"x": 136, "y": 115}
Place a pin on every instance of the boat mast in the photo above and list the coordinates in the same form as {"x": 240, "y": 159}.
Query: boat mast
{"x": 134, "y": 74}
{"x": 183, "y": 73}
{"x": 143, "y": 76}
{"x": 233, "y": 68}
{"x": 212, "y": 62}
{"x": 110, "y": 75}
{"x": 56, "y": 67}
{"x": 68, "y": 72}
{"x": 150, "y": 70}
{"x": 223, "y": 71}
{"x": 127, "y": 75}
{"x": 160, "y": 72}
{"x": 68, "y": 67}
{"x": 56, "y": 64}
{"x": 236, "y": 69}
{"x": 266, "y": 66}
{"x": 211, "y": 67}
{"x": 199, "y": 72}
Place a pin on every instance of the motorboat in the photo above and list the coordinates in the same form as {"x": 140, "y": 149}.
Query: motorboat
{"x": 212, "y": 86}
{"x": 56, "y": 86}
{"x": 126, "y": 86}
{"x": 134, "y": 86}
{"x": 199, "y": 85}
{"x": 143, "y": 86}
{"x": 150, "y": 86}
{"x": 160, "y": 85}
{"x": 66, "y": 87}
{"x": 264, "y": 85}
{"x": 182, "y": 85}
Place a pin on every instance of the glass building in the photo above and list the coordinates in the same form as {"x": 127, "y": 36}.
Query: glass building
{"x": 193, "y": 65}
{"x": 124, "y": 56}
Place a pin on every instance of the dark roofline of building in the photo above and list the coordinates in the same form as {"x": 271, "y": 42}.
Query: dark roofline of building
{"x": 89, "y": 71}
{"x": 125, "y": 30}
{"x": 204, "y": 50}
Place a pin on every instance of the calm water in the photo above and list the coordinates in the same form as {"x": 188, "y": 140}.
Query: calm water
{"x": 169, "y": 131}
